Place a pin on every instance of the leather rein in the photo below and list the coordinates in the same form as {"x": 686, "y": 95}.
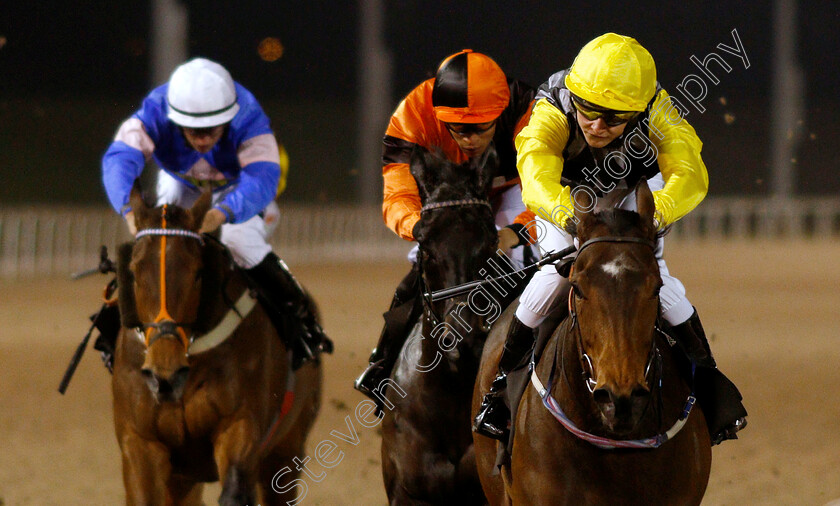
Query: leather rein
{"x": 426, "y": 294}
{"x": 654, "y": 357}
{"x": 585, "y": 360}
{"x": 164, "y": 324}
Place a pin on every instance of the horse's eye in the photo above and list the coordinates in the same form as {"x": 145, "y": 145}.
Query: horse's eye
{"x": 578, "y": 292}
{"x": 657, "y": 290}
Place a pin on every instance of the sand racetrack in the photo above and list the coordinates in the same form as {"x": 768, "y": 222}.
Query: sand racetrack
{"x": 769, "y": 307}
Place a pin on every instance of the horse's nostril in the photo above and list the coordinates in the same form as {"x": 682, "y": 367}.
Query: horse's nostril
{"x": 180, "y": 377}
{"x": 640, "y": 391}
{"x": 151, "y": 380}
{"x": 164, "y": 387}
{"x": 602, "y": 396}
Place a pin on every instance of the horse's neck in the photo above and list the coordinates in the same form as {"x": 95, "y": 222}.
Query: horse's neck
{"x": 220, "y": 295}
{"x": 452, "y": 345}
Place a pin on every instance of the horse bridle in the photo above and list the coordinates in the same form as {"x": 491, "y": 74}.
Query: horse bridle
{"x": 585, "y": 360}
{"x": 600, "y": 441}
{"x": 452, "y": 203}
{"x": 164, "y": 324}
{"x": 426, "y": 294}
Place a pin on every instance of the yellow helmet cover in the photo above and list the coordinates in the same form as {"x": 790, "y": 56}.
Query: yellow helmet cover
{"x": 614, "y": 72}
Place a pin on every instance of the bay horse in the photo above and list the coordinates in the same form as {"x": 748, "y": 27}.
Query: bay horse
{"x": 202, "y": 384}
{"x": 609, "y": 419}
{"x": 427, "y": 455}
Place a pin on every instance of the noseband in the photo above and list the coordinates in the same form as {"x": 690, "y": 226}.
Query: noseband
{"x": 553, "y": 406}
{"x": 164, "y": 324}
{"x": 586, "y": 361}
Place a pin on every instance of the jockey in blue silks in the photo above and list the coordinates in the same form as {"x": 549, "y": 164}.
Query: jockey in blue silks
{"x": 208, "y": 133}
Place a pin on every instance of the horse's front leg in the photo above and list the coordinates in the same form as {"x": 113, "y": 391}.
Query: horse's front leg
{"x": 235, "y": 451}
{"x": 146, "y": 470}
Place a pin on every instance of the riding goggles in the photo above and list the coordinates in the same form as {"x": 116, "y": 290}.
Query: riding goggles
{"x": 592, "y": 112}
{"x": 467, "y": 129}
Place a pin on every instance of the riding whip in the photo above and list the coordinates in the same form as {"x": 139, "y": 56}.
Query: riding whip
{"x": 105, "y": 266}
{"x": 454, "y": 291}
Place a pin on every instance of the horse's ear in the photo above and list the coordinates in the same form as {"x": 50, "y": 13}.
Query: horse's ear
{"x": 424, "y": 169}
{"x": 584, "y": 202}
{"x": 142, "y": 212}
{"x": 200, "y": 208}
{"x": 485, "y": 167}
{"x": 645, "y": 204}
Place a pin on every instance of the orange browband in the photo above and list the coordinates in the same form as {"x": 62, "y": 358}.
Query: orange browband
{"x": 164, "y": 314}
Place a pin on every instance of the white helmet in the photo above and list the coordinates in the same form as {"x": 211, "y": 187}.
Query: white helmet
{"x": 201, "y": 95}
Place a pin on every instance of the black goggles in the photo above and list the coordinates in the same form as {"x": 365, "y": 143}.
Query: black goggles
{"x": 467, "y": 129}
{"x": 592, "y": 112}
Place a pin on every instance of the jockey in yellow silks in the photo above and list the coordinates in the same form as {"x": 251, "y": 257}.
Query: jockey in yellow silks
{"x": 601, "y": 126}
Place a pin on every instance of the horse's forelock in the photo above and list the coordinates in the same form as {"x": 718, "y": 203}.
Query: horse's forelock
{"x": 177, "y": 217}
{"x": 612, "y": 221}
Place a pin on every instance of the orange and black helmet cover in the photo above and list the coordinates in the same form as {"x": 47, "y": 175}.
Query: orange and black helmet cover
{"x": 469, "y": 88}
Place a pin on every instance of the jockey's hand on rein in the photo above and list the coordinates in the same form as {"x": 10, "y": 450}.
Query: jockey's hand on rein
{"x": 129, "y": 220}
{"x": 507, "y": 239}
{"x": 214, "y": 219}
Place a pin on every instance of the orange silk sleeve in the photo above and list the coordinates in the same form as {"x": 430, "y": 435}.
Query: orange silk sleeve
{"x": 401, "y": 200}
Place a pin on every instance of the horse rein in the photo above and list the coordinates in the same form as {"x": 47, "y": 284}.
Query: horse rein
{"x": 164, "y": 324}
{"x": 586, "y": 364}
{"x": 586, "y": 361}
{"x": 426, "y": 294}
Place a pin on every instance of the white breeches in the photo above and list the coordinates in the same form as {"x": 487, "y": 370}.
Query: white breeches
{"x": 510, "y": 207}
{"x": 547, "y": 289}
{"x": 247, "y": 241}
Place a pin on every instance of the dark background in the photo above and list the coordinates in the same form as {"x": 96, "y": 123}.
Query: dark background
{"x": 70, "y": 72}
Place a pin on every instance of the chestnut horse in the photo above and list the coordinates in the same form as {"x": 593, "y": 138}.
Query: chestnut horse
{"x": 203, "y": 389}
{"x": 427, "y": 455}
{"x": 608, "y": 416}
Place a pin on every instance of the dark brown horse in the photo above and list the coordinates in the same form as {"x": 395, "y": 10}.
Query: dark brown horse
{"x": 427, "y": 455}
{"x": 202, "y": 386}
{"x": 603, "y": 421}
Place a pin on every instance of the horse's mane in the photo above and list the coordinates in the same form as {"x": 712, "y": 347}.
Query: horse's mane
{"x": 619, "y": 222}
{"x": 216, "y": 271}
{"x": 439, "y": 178}
{"x": 125, "y": 285}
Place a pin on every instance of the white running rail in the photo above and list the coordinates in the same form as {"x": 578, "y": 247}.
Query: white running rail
{"x": 36, "y": 241}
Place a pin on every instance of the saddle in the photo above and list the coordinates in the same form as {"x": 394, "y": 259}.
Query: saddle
{"x": 518, "y": 380}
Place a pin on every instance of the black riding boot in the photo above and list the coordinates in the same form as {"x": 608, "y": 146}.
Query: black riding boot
{"x": 494, "y": 416}
{"x": 107, "y": 321}
{"x": 398, "y": 319}
{"x": 717, "y": 395}
{"x": 284, "y": 295}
